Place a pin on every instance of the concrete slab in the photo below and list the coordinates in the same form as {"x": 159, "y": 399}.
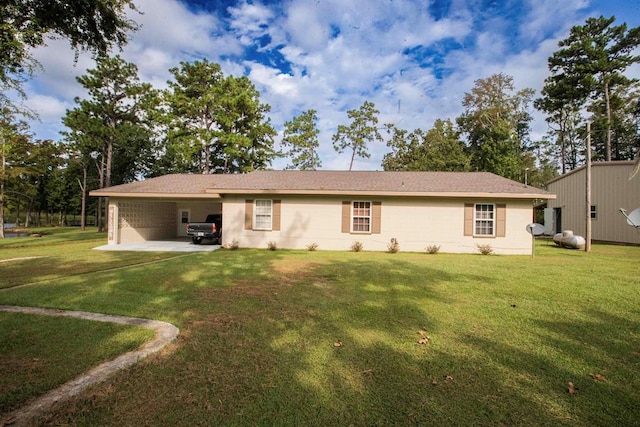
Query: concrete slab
{"x": 178, "y": 245}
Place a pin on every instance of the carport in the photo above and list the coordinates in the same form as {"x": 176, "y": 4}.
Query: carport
{"x": 152, "y": 215}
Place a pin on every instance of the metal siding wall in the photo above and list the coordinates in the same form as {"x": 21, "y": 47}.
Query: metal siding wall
{"x": 611, "y": 190}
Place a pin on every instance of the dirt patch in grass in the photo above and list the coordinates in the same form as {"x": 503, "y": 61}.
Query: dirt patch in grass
{"x": 293, "y": 265}
{"x": 245, "y": 289}
{"x": 31, "y": 368}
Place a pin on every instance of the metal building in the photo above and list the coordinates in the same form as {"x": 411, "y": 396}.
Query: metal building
{"x": 611, "y": 190}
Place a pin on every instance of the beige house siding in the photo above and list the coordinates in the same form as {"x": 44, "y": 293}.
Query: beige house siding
{"x": 611, "y": 190}
{"x": 415, "y": 222}
{"x": 454, "y": 210}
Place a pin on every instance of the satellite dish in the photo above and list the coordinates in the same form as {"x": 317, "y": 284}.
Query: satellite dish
{"x": 633, "y": 219}
{"x": 535, "y": 229}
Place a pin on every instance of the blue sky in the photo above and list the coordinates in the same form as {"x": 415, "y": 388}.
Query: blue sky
{"x": 414, "y": 59}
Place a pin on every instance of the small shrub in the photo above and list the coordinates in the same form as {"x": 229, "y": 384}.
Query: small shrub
{"x": 312, "y": 247}
{"x": 393, "y": 246}
{"x": 485, "y": 249}
{"x": 272, "y": 246}
{"x": 233, "y": 245}
{"x": 432, "y": 249}
{"x": 356, "y": 246}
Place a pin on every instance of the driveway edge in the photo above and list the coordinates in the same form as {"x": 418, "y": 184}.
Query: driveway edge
{"x": 164, "y": 334}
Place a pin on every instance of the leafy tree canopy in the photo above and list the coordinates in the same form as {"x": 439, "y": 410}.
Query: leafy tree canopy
{"x": 301, "y": 139}
{"x": 363, "y": 129}
{"x": 438, "y": 149}
{"x": 94, "y": 25}
{"x": 586, "y": 69}
{"x": 496, "y": 123}
{"x": 215, "y": 123}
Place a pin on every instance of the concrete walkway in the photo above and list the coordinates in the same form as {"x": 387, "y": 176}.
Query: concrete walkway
{"x": 164, "y": 334}
{"x": 178, "y": 245}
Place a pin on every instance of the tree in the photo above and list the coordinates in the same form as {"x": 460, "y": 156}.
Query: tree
{"x": 94, "y": 25}
{"x": 619, "y": 127}
{"x": 215, "y": 123}
{"x": 112, "y": 122}
{"x": 41, "y": 164}
{"x": 496, "y": 122}
{"x": 363, "y": 129}
{"x": 301, "y": 138}
{"x": 591, "y": 61}
{"x": 439, "y": 149}
{"x": 12, "y": 133}
{"x": 561, "y": 102}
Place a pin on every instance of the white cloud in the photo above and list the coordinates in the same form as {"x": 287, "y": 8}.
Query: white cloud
{"x": 250, "y": 18}
{"x": 339, "y": 53}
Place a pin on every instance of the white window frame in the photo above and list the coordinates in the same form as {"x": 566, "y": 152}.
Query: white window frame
{"x": 354, "y": 216}
{"x": 593, "y": 212}
{"x": 263, "y": 214}
{"x": 478, "y": 220}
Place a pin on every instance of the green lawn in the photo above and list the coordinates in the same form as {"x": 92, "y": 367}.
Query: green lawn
{"x": 258, "y": 332}
{"x": 39, "y": 353}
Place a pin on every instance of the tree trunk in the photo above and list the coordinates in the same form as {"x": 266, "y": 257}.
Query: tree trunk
{"x": 608, "y": 104}
{"x": 27, "y": 218}
{"x": 108, "y": 177}
{"x": 207, "y": 159}
{"x": 353, "y": 155}
{"x": 18, "y": 213}
{"x": 83, "y": 208}
{"x": 2, "y": 195}
{"x": 2, "y": 204}
{"x": 100, "y": 167}
{"x": 563, "y": 150}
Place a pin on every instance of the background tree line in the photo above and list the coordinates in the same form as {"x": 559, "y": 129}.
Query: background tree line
{"x": 207, "y": 122}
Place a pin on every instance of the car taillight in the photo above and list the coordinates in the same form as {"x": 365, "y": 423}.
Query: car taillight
{"x": 213, "y": 227}
{"x": 187, "y": 227}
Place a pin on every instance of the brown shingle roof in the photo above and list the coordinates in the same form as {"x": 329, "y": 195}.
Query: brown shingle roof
{"x": 332, "y": 182}
{"x": 173, "y": 184}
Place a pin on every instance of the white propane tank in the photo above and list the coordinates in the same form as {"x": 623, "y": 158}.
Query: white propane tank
{"x": 567, "y": 239}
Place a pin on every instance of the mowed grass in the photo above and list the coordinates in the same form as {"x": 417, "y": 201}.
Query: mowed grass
{"x": 331, "y": 338}
{"x": 61, "y": 252}
{"x": 40, "y": 353}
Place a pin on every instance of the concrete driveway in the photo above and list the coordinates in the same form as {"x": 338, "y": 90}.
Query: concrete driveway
{"x": 177, "y": 245}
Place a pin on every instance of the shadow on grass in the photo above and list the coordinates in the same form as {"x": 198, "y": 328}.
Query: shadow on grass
{"x": 260, "y": 335}
{"x": 600, "y": 356}
{"x": 258, "y": 346}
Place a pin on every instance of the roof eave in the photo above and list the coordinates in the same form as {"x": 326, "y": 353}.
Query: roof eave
{"x": 142, "y": 195}
{"x": 440, "y": 194}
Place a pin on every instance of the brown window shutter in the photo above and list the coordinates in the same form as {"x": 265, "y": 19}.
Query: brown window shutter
{"x": 501, "y": 220}
{"x": 376, "y": 217}
{"x": 248, "y": 214}
{"x": 468, "y": 219}
{"x": 275, "y": 215}
{"x": 346, "y": 217}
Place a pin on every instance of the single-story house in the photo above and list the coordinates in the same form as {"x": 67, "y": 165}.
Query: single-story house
{"x": 611, "y": 189}
{"x": 333, "y": 209}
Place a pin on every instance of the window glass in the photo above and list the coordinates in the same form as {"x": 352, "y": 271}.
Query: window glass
{"x": 361, "y": 217}
{"x": 484, "y": 219}
{"x": 262, "y": 215}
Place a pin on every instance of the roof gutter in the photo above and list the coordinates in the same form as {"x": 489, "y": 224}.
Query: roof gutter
{"x": 441, "y": 194}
